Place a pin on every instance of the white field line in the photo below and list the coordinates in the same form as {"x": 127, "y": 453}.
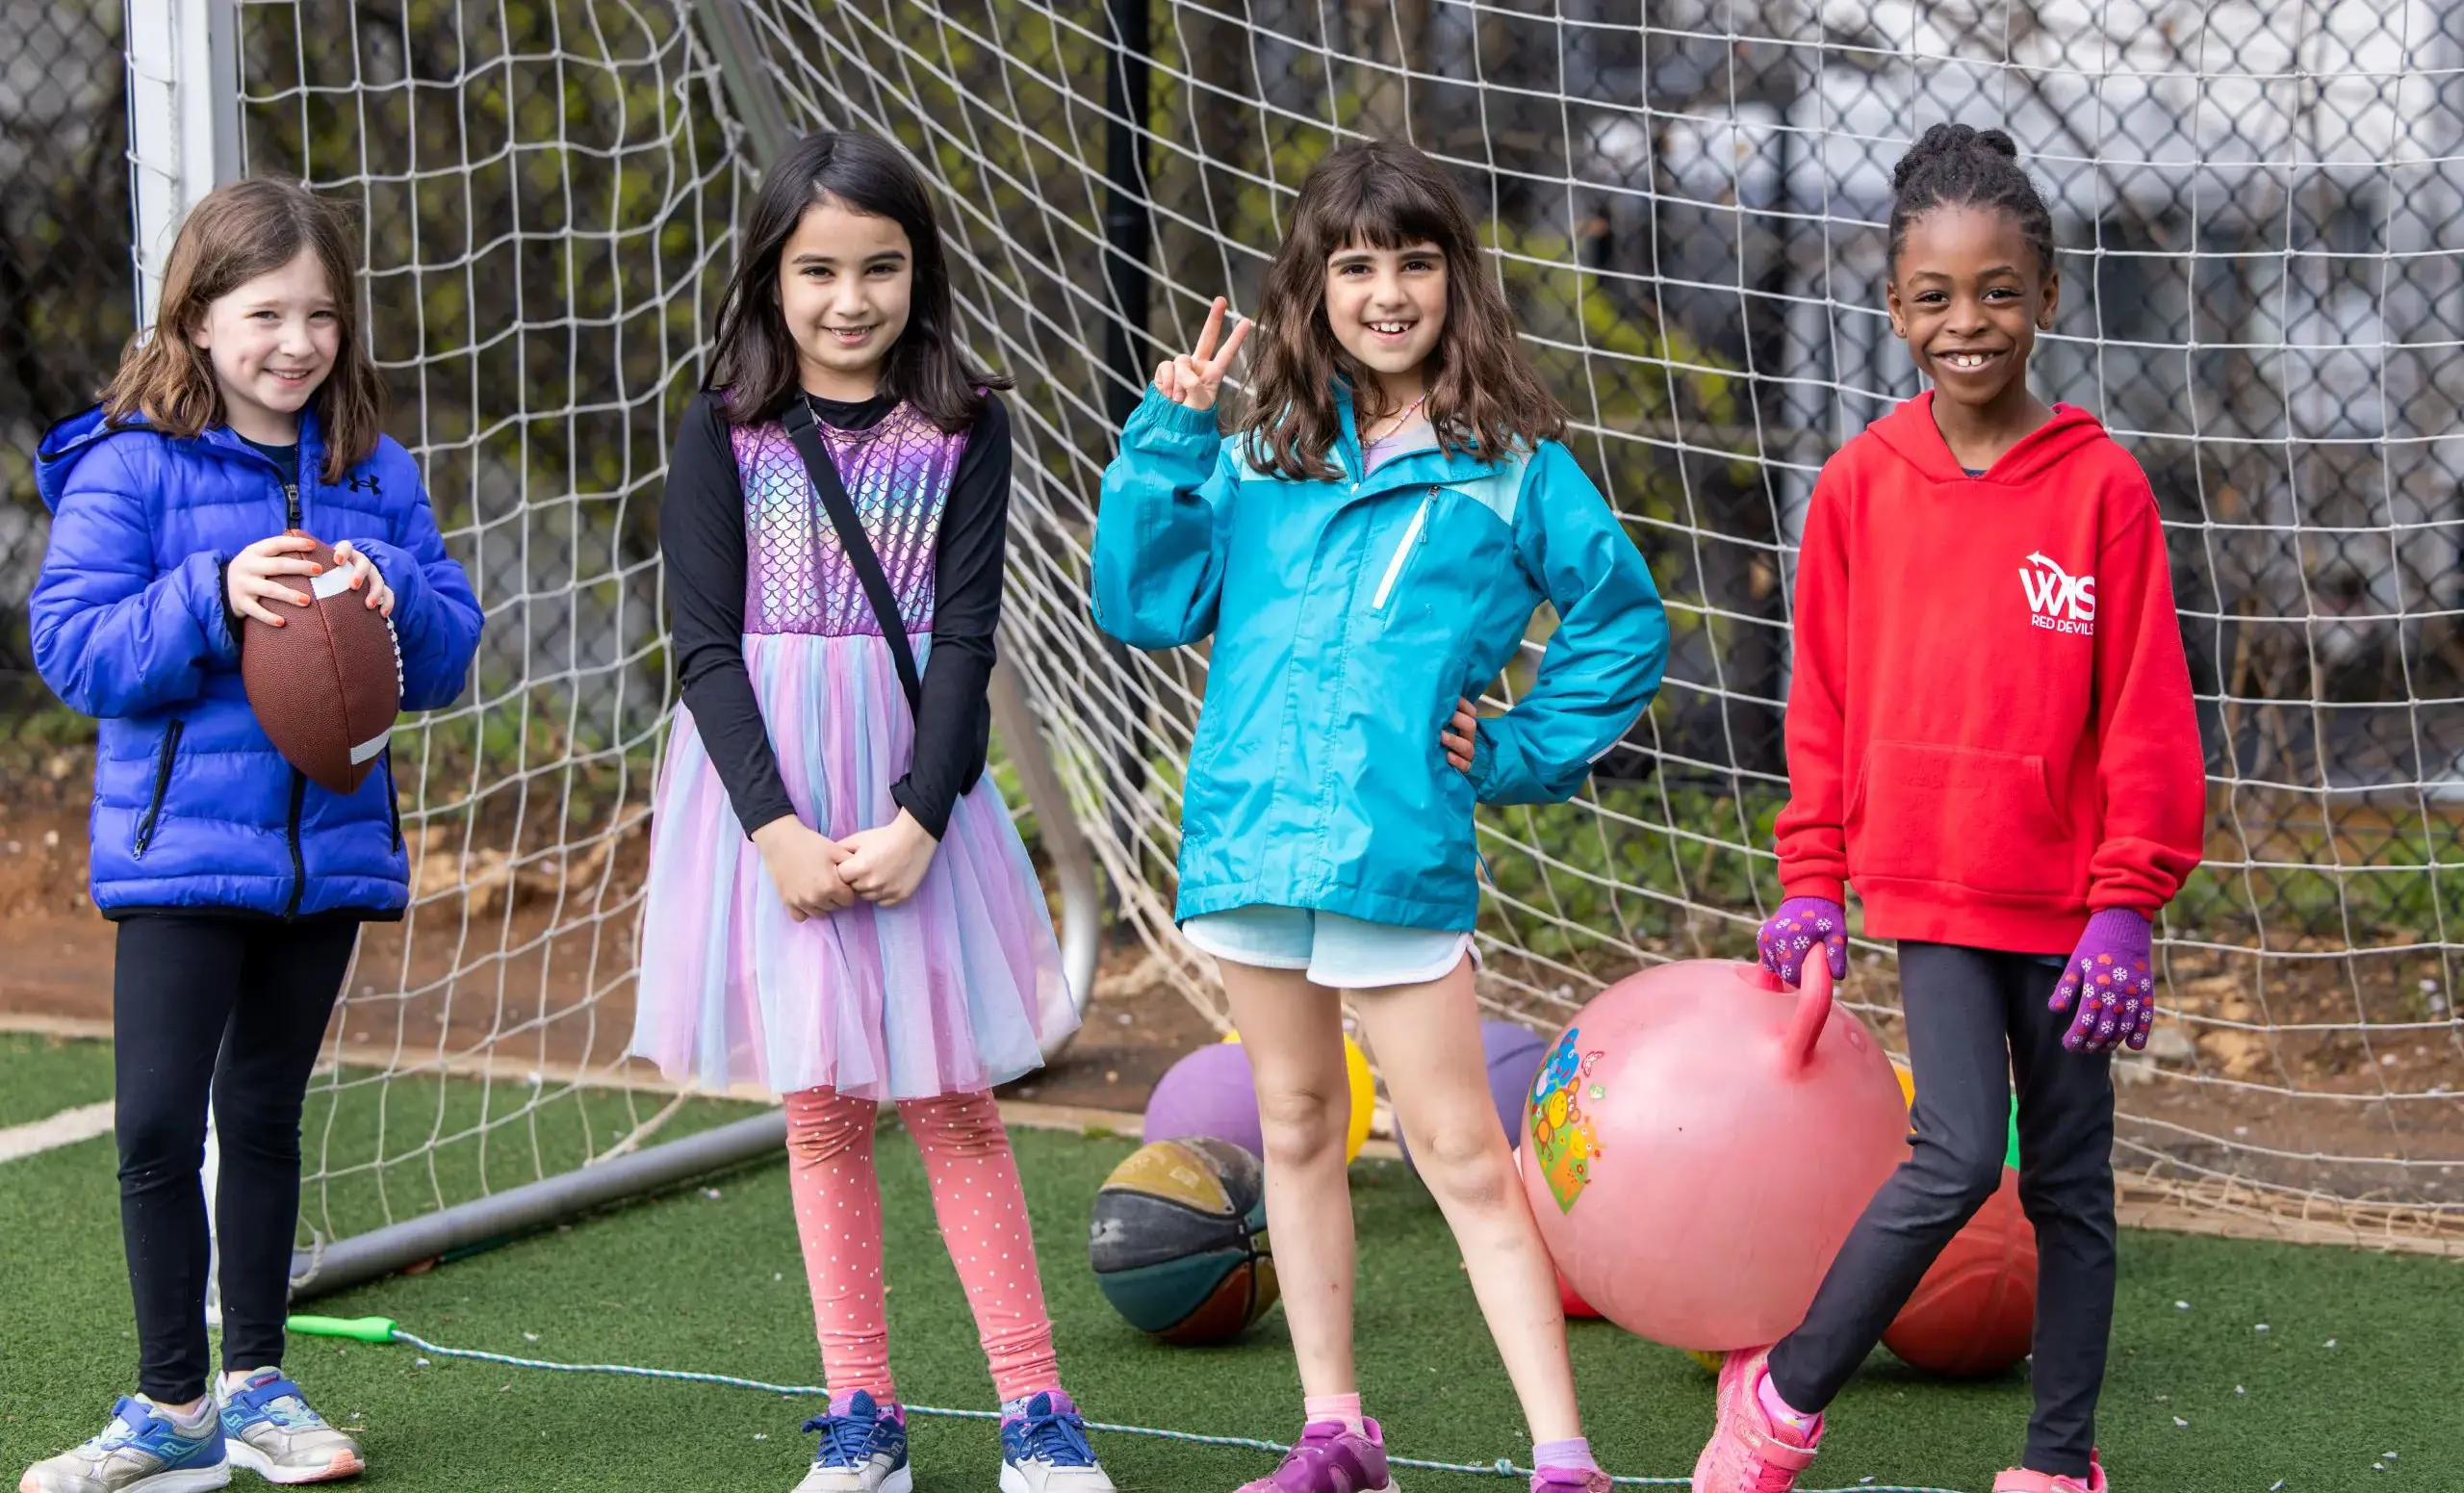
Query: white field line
{"x": 65, "y": 1128}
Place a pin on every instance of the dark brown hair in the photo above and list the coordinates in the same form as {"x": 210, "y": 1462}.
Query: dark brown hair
{"x": 1960, "y": 166}
{"x": 1483, "y": 392}
{"x": 234, "y": 235}
{"x": 753, "y": 357}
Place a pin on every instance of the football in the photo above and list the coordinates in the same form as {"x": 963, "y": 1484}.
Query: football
{"x": 327, "y": 686}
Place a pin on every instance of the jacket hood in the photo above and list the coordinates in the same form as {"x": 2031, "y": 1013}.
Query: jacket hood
{"x": 68, "y": 443}
{"x": 72, "y": 440}
{"x": 1910, "y": 433}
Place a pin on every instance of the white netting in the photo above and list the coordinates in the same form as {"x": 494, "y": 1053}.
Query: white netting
{"x": 2258, "y": 208}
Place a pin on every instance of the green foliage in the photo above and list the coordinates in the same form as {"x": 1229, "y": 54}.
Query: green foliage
{"x": 1626, "y": 866}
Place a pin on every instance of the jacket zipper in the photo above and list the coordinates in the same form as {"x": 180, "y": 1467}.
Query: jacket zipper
{"x": 1403, "y": 553}
{"x": 393, "y": 800}
{"x": 161, "y": 785}
{"x": 298, "y": 864}
{"x": 291, "y": 505}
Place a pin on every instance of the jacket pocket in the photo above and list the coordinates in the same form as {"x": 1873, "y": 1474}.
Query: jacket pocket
{"x": 1983, "y": 821}
{"x": 165, "y": 755}
{"x": 1402, "y": 557}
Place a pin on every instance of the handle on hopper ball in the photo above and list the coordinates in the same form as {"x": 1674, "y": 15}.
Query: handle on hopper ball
{"x": 1813, "y": 1009}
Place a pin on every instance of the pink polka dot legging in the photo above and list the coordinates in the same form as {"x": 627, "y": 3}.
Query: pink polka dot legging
{"x": 984, "y": 1222}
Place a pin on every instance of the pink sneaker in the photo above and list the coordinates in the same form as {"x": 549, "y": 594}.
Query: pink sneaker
{"x": 1570, "y": 1480}
{"x": 1331, "y": 1460}
{"x": 2019, "y": 1480}
{"x": 1748, "y": 1453}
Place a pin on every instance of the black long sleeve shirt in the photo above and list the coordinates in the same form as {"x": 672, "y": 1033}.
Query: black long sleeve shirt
{"x": 700, "y": 537}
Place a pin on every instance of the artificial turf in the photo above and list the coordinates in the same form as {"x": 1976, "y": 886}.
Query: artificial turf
{"x": 2358, "y": 1358}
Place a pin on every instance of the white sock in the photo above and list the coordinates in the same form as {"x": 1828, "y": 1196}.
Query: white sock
{"x": 186, "y": 1421}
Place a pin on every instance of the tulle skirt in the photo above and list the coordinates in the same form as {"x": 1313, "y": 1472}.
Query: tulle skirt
{"x": 954, "y": 991}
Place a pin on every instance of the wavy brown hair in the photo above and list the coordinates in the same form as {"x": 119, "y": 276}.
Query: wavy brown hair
{"x": 234, "y": 235}
{"x": 753, "y": 355}
{"x": 1483, "y": 392}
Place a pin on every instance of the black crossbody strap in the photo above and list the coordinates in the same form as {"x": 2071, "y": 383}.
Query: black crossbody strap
{"x": 823, "y": 473}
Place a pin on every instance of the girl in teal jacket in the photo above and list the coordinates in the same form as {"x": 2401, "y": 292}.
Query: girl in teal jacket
{"x": 1367, "y": 550}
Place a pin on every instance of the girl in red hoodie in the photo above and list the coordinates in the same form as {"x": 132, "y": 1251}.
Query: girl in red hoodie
{"x": 1990, "y": 734}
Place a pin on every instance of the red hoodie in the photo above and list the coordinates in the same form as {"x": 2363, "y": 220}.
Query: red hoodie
{"x": 1989, "y": 729}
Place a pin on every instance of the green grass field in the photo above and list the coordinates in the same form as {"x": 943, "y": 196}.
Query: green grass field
{"x": 2200, "y": 1401}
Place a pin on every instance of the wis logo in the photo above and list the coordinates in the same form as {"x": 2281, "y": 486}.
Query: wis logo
{"x": 2057, "y": 600}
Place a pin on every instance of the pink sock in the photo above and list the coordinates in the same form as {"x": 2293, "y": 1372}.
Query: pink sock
{"x": 843, "y": 1400}
{"x": 1572, "y": 1455}
{"x": 1783, "y": 1413}
{"x": 983, "y": 1213}
{"x": 1317, "y": 1409}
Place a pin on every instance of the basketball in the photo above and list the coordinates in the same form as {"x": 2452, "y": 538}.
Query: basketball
{"x": 1179, "y": 1240}
{"x": 326, "y": 686}
{"x": 1974, "y": 1313}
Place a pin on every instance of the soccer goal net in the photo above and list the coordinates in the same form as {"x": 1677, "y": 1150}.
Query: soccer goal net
{"x": 2261, "y": 217}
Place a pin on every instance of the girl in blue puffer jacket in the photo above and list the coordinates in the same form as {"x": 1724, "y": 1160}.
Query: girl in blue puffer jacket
{"x": 1367, "y": 550}
{"x": 238, "y": 886}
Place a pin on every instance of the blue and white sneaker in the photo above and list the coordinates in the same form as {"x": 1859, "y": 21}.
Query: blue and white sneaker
{"x": 272, "y": 1432}
{"x": 1043, "y": 1448}
{"x": 864, "y": 1448}
{"x": 141, "y": 1450}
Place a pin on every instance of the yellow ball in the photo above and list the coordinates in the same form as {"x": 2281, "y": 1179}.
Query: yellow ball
{"x": 1364, "y": 1096}
{"x": 1710, "y": 1362}
{"x": 1907, "y": 1086}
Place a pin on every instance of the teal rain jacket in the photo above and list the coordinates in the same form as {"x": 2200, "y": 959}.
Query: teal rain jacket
{"x": 1349, "y": 616}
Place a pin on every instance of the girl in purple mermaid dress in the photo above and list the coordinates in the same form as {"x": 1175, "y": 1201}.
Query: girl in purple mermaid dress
{"x": 838, "y": 909}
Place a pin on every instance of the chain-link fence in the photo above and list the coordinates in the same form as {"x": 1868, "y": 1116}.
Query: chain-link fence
{"x": 68, "y": 304}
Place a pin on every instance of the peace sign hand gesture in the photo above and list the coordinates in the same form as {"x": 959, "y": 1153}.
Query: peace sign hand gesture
{"x": 1191, "y": 379}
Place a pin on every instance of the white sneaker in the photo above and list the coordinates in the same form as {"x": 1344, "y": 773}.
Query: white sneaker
{"x": 272, "y": 1431}
{"x": 864, "y": 1449}
{"x": 1043, "y": 1450}
{"x": 141, "y": 1450}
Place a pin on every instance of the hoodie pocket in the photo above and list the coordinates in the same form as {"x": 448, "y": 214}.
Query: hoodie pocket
{"x": 165, "y": 755}
{"x": 1983, "y": 821}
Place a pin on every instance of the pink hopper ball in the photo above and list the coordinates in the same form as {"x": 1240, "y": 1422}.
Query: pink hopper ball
{"x": 1698, "y": 1143}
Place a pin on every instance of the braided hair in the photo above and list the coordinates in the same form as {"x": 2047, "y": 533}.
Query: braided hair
{"x": 1960, "y": 166}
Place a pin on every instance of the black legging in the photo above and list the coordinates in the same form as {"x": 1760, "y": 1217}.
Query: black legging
{"x": 1977, "y": 1019}
{"x": 238, "y": 1006}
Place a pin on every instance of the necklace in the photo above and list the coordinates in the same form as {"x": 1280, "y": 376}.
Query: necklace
{"x": 1400, "y": 418}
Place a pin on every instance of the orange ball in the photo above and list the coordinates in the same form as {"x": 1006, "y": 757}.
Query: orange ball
{"x": 1975, "y": 1310}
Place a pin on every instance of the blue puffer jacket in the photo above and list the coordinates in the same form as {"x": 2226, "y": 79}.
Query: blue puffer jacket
{"x": 194, "y": 808}
{"x": 1353, "y": 614}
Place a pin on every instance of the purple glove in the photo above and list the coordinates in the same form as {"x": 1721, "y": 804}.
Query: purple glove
{"x": 1792, "y": 931}
{"x": 2109, "y": 975}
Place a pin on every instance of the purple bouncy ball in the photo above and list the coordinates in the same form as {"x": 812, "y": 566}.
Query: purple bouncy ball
{"x": 1208, "y": 1092}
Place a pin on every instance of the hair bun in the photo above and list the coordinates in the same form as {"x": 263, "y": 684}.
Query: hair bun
{"x": 1943, "y": 140}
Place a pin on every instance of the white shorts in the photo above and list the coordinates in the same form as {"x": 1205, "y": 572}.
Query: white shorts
{"x": 1341, "y": 953}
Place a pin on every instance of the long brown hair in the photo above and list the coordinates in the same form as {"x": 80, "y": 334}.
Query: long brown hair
{"x": 752, "y": 356}
{"x": 234, "y": 235}
{"x": 1483, "y": 392}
